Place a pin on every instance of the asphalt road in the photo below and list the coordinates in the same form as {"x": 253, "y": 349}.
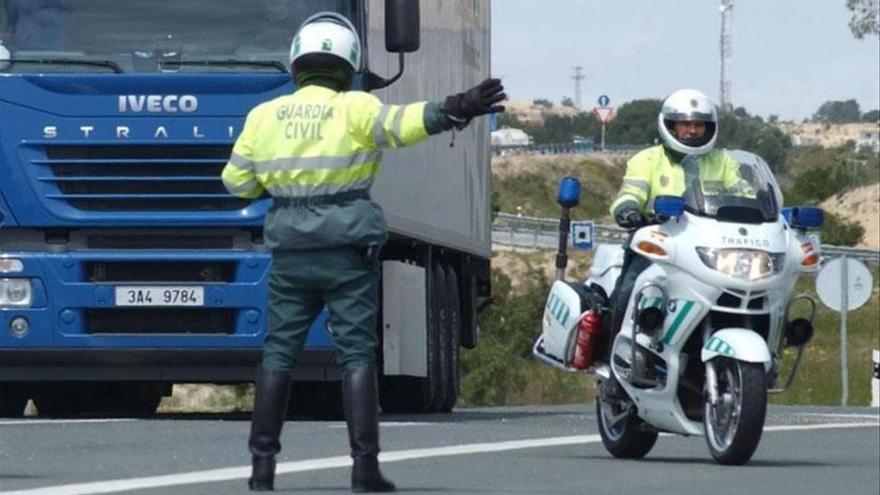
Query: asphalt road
{"x": 547, "y": 450}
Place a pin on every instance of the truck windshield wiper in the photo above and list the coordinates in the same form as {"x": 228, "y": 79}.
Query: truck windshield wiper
{"x": 64, "y": 61}
{"x": 228, "y": 63}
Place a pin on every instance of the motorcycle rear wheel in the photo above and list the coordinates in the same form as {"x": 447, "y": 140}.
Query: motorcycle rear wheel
{"x": 734, "y": 426}
{"x": 624, "y": 435}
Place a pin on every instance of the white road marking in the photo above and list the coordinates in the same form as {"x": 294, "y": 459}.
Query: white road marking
{"x": 61, "y": 421}
{"x": 243, "y": 472}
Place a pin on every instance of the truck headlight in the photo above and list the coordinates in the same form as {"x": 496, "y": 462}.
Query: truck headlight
{"x": 16, "y": 292}
{"x": 747, "y": 264}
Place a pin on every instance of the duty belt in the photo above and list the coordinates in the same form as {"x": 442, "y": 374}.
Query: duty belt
{"x": 327, "y": 199}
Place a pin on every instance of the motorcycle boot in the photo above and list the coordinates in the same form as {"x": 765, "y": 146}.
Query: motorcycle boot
{"x": 360, "y": 403}
{"x": 270, "y": 409}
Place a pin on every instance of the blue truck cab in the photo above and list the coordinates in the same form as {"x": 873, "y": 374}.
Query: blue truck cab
{"x": 125, "y": 265}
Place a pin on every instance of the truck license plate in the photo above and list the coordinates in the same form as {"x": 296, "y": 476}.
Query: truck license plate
{"x": 160, "y": 296}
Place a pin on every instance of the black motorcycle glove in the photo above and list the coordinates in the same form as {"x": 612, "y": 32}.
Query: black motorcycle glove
{"x": 629, "y": 217}
{"x": 460, "y": 108}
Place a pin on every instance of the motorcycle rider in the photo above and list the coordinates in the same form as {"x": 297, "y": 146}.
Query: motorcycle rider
{"x": 688, "y": 125}
{"x": 317, "y": 152}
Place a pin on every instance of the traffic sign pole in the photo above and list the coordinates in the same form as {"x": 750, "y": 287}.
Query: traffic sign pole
{"x": 844, "y": 295}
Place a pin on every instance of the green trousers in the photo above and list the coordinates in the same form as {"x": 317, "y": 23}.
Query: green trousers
{"x": 346, "y": 280}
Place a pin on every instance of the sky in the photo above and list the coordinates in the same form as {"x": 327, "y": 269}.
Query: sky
{"x": 788, "y": 56}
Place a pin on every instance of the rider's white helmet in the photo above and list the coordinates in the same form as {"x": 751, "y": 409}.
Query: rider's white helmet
{"x": 688, "y": 105}
{"x": 327, "y": 33}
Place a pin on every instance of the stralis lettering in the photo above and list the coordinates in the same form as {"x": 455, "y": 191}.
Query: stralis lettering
{"x": 158, "y": 103}
{"x": 126, "y": 132}
{"x": 745, "y": 242}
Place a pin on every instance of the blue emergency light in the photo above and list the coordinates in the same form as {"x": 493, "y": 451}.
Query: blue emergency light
{"x": 804, "y": 217}
{"x": 569, "y": 193}
{"x": 669, "y": 206}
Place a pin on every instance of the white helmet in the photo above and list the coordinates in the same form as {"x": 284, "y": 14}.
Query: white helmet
{"x": 688, "y": 105}
{"x": 328, "y": 33}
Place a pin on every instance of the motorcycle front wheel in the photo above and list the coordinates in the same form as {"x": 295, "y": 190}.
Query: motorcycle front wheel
{"x": 734, "y": 425}
{"x": 624, "y": 435}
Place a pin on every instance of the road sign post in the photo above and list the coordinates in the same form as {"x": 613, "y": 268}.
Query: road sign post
{"x": 844, "y": 284}
{"x": 604, "y": 114}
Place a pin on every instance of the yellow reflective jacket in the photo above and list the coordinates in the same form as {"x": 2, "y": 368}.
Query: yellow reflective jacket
{"x": 651, "y": 173}
{"x": 317, "y": 151}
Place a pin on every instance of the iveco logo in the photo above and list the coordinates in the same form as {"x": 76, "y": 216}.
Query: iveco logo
{"x": 158, "y": 103}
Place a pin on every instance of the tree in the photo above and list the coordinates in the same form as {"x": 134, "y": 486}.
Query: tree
{"x": 541, "y": 102}
{"x": 635, "y": 123}
{"x": 738, "y": 129}
{"x": 865, "y": 18}
{"x": 567, "y": 102}
{"x": 838, "y": 112}
{"x": 871, "y": 116}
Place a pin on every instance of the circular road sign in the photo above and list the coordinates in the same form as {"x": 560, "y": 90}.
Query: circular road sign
{"x": 603, "y": 101}
{"x": 859, "y": 284}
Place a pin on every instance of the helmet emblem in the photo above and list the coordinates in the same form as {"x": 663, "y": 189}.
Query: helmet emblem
{"x": 353, "y": 56}
{"x": 695, "y": 103}
{"x": 743, "y": 231}
{"x": 664, "y": 180}
{"x": 326, "y": 45}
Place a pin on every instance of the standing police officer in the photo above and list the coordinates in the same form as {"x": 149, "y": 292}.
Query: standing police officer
{"x": 317, "y": 152}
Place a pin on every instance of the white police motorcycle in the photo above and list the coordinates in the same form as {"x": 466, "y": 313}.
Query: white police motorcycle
{"x": 701, "y": 342}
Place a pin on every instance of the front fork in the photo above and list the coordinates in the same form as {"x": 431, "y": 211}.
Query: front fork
{"x": 712, "y": 383}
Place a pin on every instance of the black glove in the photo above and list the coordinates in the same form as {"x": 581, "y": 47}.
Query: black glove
{"x": 481, "y": 99}
{"x": 630, "y": 217}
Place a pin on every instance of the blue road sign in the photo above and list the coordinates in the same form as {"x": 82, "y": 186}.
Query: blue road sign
{"x": 582, "y": 234}
{"x": 604, "y": 101}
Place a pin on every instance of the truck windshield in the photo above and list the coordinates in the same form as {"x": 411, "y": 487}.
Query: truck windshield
{"x": 153, "y": 35}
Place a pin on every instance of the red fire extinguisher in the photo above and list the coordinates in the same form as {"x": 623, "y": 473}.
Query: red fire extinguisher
{"x": 588, "y": 331}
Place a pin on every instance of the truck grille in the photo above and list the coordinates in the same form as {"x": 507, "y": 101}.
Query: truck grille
{"x": 160, "y": 177}
{"x": 182, "y": 321}
{"x": 178, "y": 271}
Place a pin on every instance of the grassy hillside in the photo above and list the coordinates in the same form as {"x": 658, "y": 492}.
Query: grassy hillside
{"x": 530, "y": 182}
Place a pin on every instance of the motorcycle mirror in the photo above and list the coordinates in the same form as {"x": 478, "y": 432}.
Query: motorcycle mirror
{"x": 804, "y": 217}
{"x": 569, "y": 193}
{"x": 669, "y": 206}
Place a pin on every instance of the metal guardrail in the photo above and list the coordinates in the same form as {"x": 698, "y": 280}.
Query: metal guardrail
{"x": 535, "y": 232}
{"x": 567, "y": 149}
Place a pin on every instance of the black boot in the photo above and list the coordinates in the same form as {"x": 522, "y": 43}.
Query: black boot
{"x": 360, "y": 399}
{"x": 270, "y": 409}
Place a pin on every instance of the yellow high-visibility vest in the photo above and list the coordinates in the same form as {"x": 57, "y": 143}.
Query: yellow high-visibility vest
{"x": 651, "y": 173}
{"x": 318, "y": 142}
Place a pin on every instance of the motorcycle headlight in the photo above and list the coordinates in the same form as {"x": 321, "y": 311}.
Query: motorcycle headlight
{"x": 747, "y": 264}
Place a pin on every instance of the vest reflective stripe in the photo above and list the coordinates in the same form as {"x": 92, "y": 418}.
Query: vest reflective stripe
{"x": 381, "y": 131}
{"x": 317, "y": 162}
{"x": 379, "y": 136}
{"x": 241, "y": 162}
{"x": 250, "y": 189}
{"x": 341, "y": 179}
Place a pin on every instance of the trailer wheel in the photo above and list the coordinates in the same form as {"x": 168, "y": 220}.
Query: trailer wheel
{"x": 440, "y": 308}
{"x": 453, "y": 336}
{"x": 13, "y": 399}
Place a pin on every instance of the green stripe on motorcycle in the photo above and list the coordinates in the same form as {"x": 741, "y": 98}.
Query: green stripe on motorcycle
{"x": 667, "y": 338}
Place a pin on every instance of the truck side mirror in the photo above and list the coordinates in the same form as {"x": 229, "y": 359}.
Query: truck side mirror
{"x": 402, "y": 26}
